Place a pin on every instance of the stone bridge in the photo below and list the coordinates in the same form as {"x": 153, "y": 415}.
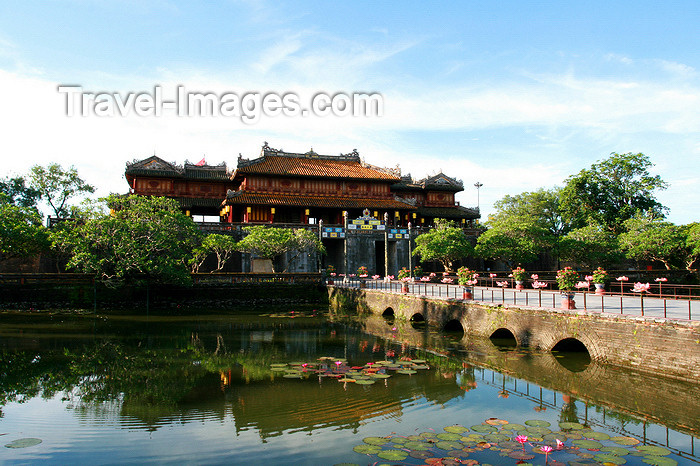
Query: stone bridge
{"x": 650, "y": 345}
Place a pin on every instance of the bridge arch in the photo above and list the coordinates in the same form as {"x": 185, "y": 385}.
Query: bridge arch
{"x": 453, "y": 325}
{"x": 572, "y": 354}
{"x": 503, "y": 337}
{"x": 388, "y": 312}
{"x": 570, "y": 345}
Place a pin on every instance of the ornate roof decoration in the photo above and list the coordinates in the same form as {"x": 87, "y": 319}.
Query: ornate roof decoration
{"x": 155, "y": 166}
{"x": 442, "y": 182}
{"x": 339, "y": 202}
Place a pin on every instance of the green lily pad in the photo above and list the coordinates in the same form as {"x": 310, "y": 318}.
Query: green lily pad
{"x": 418, "y": 361}
{"x": 24, "y": 443}
{"x": 617, "y": 451}
{"x": 292, "y": 376}
{"x": 483, "y": 428}
{"x": 448, "y": 445}
{"x": 588, "y": 444}
{"x": 414, "y": 445}
{"x": 654, "y": 451}
{"x": 375, "y": 440}
{"x": 399, "y": 440}
{"x": 659, "y": 460}
{"x": 393, "y": 455}
{"x": 496, "y": 438}
{"x": 540, "y": 431}
{"x": 598, "y": 436}
{"x": 420, "y": 367}
{"x": 364, "y": 382}
{"x": 420, "y": 454}
{"x": 561, "y": 436}
{"x": 367, "y": 449}
{"x": 428, "y": 434}
{"x": 574, "y": 435}
{"x": 607, "y": 458}
{"x": 570, "y": 426}
{"x": 346, "y": 379}
{"x": 283, "y": 364}
{"x": 537, "y": 423}
{"x": 278, "y": 369}
{"x": 629, "y": 441}
{"x": 449, "y": 436}
{"x": 379, "y": 376}
{"x": 510, "y": 426}
{"x": 520, "y": 455}
{"x": 456, "y": 429}
{"x": 406, "y": 371}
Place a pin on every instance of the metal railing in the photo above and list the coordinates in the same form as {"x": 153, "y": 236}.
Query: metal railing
{"x": 197, "y": 278}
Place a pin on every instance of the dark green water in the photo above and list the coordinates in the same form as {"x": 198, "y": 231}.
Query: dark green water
{"x": 201, "y": 390}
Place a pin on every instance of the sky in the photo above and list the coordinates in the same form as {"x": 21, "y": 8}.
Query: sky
{"x": 514, "y": 95}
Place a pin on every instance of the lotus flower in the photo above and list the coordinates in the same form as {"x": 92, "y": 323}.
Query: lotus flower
{"x": 589, "y": 278}
{"x": 640, "y": 287}
{"x": 332, "y": 274}
{"x": 425, "y": 279}
{"x": 364, "y": 275}
{"x": 521, "y": 439}
{"x": 432, "y": 274}
{"x": 546, "y": 449}
{"x": 537, "y": 284}
{"x": 580, "y": 285}
{"x": 622, "y": 279}
{"x": 534, "y": 276}
{"x": 503, "y": 283}
{"x": 560, "y": 444}
{"x": 493, "y": 275}
{"x": 444, "y": 274}
{"x": 447, "y": 280}
{"x": 661, "y": 279}
{"x": 375, "y": 277}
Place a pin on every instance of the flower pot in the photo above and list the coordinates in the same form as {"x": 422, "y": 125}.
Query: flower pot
{"x": 599, "y": 288}
{"x": 519, "y": 285}
{"x": 404, "y": 287}
{"x": 467, "y": 293}
{"x": 363, "y": 284}
{"x": 330, "y": 281}
{"x": 567, "y": 301}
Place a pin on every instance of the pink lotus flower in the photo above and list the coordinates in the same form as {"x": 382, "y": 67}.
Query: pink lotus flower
{"x": 546, "y": 449}
{"x": 432, "y": 274}
{"x": 534, "y": 276}
{"x": 332, "y": 274}
{"x": 661, "y": 279}
{"x": 622, "y": 279}
{"x": 447, "y": 280}
{"x": 510, "y": 275}
{"x": 364, "y": 275}
{"x": 493, "y": 275}
{"x": 521, "y": 439}
{"x": 375, "y": 277}
{"x": 390, "y": 277}
{"x": 588, "y": 278}
{"x": 503, "y": 283}
{"x": 640, "y": 287}
{"x": 444, "y": 274}
{"x": 580, "y": 285}
{"x": 537, "y": 284}
{"x": 407, "y": 279}
{"x": 425, "y": 279}
{"x": 560, "y": 444}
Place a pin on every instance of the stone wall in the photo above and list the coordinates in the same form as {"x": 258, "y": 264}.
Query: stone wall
{"x": 651, "y": 345}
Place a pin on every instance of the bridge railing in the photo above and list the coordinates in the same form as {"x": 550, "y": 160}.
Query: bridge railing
{"x": 630, "y": 304}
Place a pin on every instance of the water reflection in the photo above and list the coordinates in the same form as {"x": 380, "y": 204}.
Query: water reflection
{"x": 165, "y": 371}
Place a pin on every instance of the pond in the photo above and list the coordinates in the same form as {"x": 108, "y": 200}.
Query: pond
{"x": 298, "y": 386}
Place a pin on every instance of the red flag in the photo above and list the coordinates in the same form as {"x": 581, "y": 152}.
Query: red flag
{"x": 200, "y": 163}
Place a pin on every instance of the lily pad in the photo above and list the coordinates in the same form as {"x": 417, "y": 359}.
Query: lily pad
{"x": 419, "y": 446}
{"x": 292, "y": 376}
{"x": 364, "y": 382}
{"x": 629, "y": 441}
{"x": 608, "y": 458}
{"x": 588, "y": 444}
{"x": 495, "y": 422}
{"x": 406, "y": 371}
{"x": 617, "y": 451}
{"x": 380, "y": 376}
{"x": 375, "y": 440}
{"x": 449, "y": 436}
{"x": 420, "y": 454}
{"x": 570, "y": 426}
{"x": 654, "y": 451}
{"x": 483, "y": 428}
{"x": 346, "y": 379}
{"x": 428, "y": 434}
{"x": 448, "y": 445}
{"x": 597, "y": 436}
{"x": 520, "y": 455}
{"x": 456, "y": 429}
{"x": 393, "y": 455}
{"x": 418, "y": 361}
{"x": 537, "y": 423}
{"x": 399, "y": 440}
{"x": 510, "y": 426}
{"x": 367, "y": 449}
{"x": 496, "y": 438}
{"x": 540, "y": 431}
{"x": 24, "y": 443}
{"x": 659, "y": 460}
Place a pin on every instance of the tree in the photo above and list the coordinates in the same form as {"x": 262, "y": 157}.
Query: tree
{"x": 271, "y": 242}
{"x": 651, "y": 239}
{"x": 514, "y": 242}
{"x": 612, "y": 191}
{"x": 21, "y": 232}
{"x": 57, "y": 186}
{"x": 540, "y": 208}
{"x": 590, "y": 246}
{"x": 692, "y": 244}
{"x": 221, "y": 245}
{"x": 142, "y": 237}
{"x": 445, "y": 243}
{"x": 15, "y": 191}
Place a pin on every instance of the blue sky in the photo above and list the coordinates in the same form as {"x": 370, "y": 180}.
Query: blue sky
{"x": 516, "y": 95}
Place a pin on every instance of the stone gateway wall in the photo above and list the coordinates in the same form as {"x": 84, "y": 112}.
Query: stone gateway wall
{"x": 657, "y": 346}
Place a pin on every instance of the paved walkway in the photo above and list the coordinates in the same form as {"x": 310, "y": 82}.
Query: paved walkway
{"x": 627, "y": 305}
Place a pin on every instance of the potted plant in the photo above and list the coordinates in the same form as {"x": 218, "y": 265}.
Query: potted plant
{"x": 362, "y": 273}
{"x": 600, "y": 276}
{"x": 467, "y": 278}
{"x": 567, "y": 278}
{"x": 330, "y": 274}
{"x": 417, "y": 271}
{"x": 519, "y": 275}
{"x": 404, "y": 277}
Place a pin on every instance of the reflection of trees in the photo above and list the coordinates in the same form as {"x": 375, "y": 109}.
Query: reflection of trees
{"x": 568, "y": 410}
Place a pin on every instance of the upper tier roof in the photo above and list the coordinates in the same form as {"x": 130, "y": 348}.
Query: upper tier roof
{"x": 157, "y": 167}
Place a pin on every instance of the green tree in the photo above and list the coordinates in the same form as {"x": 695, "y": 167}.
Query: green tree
{"x": 590, "y": 246}
{"x": 692, "y": 244}
{"x": 271, "y": 242}
{"x": 21, "y": 232}
{"x": 142, "y": 237}
{"x": 540, "y": 208}
{"x": 445, "y": 243}
{"x": 222, "y": 245}
{"x": 612, "y": 191}
{"x": 15, "y": 191}
{"x": 651, "y": 239}
{"x": 513, "y": 241}
{"x": 57, "y": 185}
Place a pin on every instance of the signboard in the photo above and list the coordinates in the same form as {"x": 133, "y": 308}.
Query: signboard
{"x": 332, "y": 232}
{"x": 398, "y": 233}
{"x": 366, "y": 223}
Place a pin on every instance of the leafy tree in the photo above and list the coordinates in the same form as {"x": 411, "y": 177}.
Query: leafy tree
{"x": 57, "y": 185}
{"x": 514, "y": 242}
{"x": 221, "y": 245}
{"x": 445, "y": 243}
{"x": 21, "y": 232}
{"x": 142, "y": 237}
{"x": 540, "y": 208}
{"x": 653, "y": 240}
{"x": 692, "y": 244}
{"x": 271, "y": 242}
{"x": 612, "y": 191}
{"x": 15, "y": 191}
{"x": 590, "y": 246}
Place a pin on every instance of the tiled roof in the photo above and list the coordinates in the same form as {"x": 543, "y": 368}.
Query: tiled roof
{"x": 157, "y": 167}
{"x": 449, "y": 212}
{"x": 333, "y": 202}
{"x": 187, "y": 202}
